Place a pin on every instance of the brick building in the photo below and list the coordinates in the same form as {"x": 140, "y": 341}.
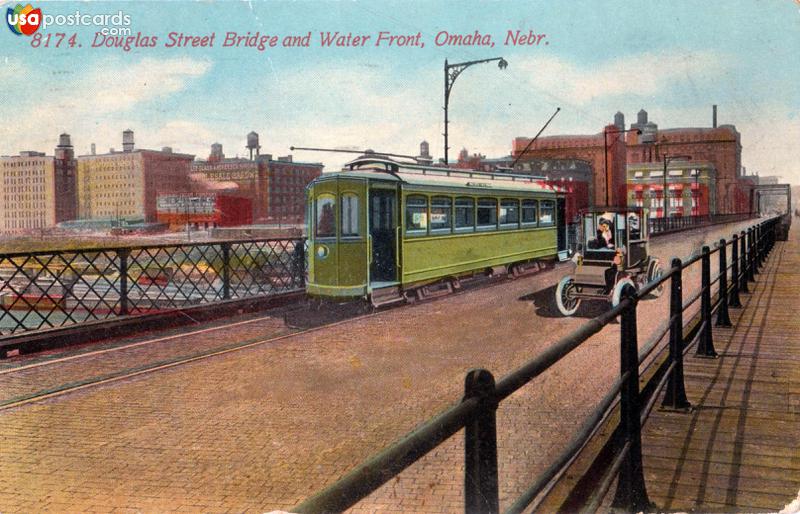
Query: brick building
{"x": 690, "y": 188}
{"x": 716, "y": 147}
{"x": 240, "y": 177}
{"x": 719, "y": 146}
{"x": 125, "y": 185}
{"x": 202, "y": 211}
{"x": 37, "y": 191}
{"x": 286, "y": 188}
{"x": 604, "y": 153}
{"x": 275, "y": 187}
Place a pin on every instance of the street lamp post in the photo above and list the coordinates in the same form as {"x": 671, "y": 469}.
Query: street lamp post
{"x": 605, "y": 154}
{"x": 667, "y": 160}
{"x": 451, "y": 72}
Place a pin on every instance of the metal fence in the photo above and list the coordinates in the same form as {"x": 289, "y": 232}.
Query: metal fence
{"x": 676, "y": 223}
{"x": 57, "y": 288}
{"x": 476, "y": 412}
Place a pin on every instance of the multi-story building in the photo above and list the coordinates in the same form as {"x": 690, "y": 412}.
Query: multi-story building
{"x": 125, "y": 185}
{"x": 719, "y": 146}
{"x": 286, "y": 187}
{"x": 202, "y": 211}
{"x": 691, "y": 188}
{"x": 610, "y": 153}
{"x": 36, "y": 190}
{"x": 241, "y": 177}
{"x": 603, "y": 152}
{"x": 275, "y": 187}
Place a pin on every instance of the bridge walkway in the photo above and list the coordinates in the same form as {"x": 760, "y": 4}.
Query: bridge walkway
{"x": 739, "y": 447}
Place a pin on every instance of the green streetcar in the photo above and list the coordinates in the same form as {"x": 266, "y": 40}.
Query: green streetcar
{"x": 389, "y": 231}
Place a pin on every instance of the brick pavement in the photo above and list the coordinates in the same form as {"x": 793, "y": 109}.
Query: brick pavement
{"x": 262, "y": 428}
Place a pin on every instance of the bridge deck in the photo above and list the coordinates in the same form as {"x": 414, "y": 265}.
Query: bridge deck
{"x": 739, "y": 448}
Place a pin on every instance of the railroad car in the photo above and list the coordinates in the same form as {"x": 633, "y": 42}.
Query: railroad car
{"x": 389, "y": 231}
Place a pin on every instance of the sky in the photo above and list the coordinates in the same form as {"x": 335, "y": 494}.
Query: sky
{"x": 674, "y": 59}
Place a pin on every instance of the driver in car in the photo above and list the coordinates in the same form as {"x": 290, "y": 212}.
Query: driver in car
{"x": 605, "y": 236}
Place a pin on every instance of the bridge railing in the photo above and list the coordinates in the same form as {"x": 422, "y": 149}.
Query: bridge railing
{"x": 48, "y": 289}
{"x": 676, "y": 223}
{"x": 476, "y": 412}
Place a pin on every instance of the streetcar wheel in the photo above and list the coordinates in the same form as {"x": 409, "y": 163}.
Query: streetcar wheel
{"x": 616, "y": 295}
{"x": 654, "y": 272}
{"x": 565, "y": 296}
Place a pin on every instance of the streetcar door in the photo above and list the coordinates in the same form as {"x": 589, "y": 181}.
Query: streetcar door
{"x": 383, "y": 233}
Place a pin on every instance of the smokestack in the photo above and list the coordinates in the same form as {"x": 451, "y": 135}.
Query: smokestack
{"x": 714, "y": 118}
{"x": 94, "y": 149}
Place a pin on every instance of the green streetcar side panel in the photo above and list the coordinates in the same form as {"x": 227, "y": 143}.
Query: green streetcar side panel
{"x": 426, "y": 258}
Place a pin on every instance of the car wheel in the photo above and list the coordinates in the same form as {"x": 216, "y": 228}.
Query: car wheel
{"x": 565, "y": 296}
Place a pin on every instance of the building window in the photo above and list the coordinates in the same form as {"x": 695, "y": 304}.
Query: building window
{"x": 349, "y": 215}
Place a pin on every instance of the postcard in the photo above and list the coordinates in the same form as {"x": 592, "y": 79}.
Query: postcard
{"x": 319, "y": 256}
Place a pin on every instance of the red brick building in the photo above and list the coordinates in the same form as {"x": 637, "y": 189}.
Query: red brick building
{"x": 204, "y": 210}
{"x": 605, "y": 156}
{"x": 275, "y": 187}
{"x": 719, "y": 146}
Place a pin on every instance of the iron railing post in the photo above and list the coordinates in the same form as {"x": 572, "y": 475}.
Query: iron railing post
{"x": 705, "y": 346}
{"x": 299, "y": 264}
{"x": 122, "y": 255}
{"x": 675, "y": 395}
{"x": 226, "y": 271}
{"x": 751, "y": 255}
{"x": 757, "y": 243}
{"x": 723, "y": 318}
{"x": 631, "y": 494}
{"x": 480, "y": 446}
{"x": 756, "y": 248}
{"x": 743, "y": 262}
{"x": 734, "y": 300}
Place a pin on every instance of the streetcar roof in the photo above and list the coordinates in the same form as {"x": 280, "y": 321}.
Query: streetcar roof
{"x": 417, "y": 175}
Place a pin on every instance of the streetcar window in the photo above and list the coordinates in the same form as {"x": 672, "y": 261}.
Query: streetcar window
{"x": 326, "y": 215}
{"x": 349, "y": 215}
{"x": 441, "y": 208}
{"x": 529, "y": 212}
{"x": 509, "y": 213}
{"x": 465, "y": 214}
{"x": 547, "y": 214}
{"x": 487, "y": 213}
{"x": 416, "y": 214}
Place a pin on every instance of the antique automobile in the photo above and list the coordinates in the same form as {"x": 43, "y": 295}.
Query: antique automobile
{"x": 612, "y": 251}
